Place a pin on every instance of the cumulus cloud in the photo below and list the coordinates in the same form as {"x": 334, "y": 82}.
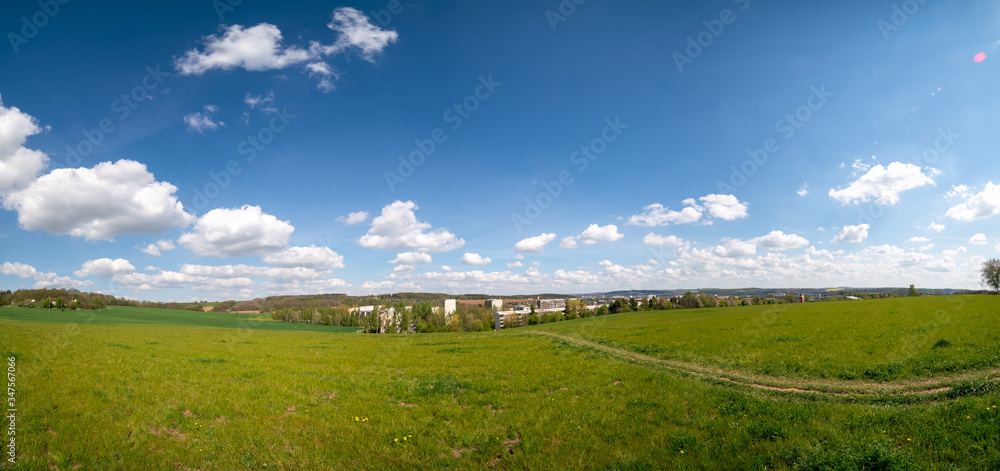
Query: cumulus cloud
{"x": 978, "y": 206}
{"x": 475, "y": 259}
{"x": 852, "y": 234}
{"x": 534, "y": 244}
{"x": 735, "y": 248}
{"x": 357, "y": 217}
{"x": 326, "y": 74}
{"x": 725, "y": 207}
{"x": 204, "y": 120}
{"x": 255, "y": 49}
{"x": 978, "y": 239}
{"x": 935, "y": 227}
{"x": 778, "y": 240}
{"x": 803, "y": 190}
{"x": 918, "y": 239}
{"x": 592, "y": 235}
{"x": 356, "y": 31}
{"x": 954, "y": 252}
{"x": 320, "y": 258}
{"x": 157, "y": 248}
{"x": 655, "y": 239}
{"x": 104, "y": 268}
{"x": 658, "y": 215}
{"x": 516, "y": 264}
{"x": 398, "y": 228}
{"x": 42, "y": 280}
{"x": 99, "y": 203}
{"x": 236, "y": 232}
{"x": 18, "y": 166}
{"x": 884, "y": 184}
{"x": 412, "y": 258}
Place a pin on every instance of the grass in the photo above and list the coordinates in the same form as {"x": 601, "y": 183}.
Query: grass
{"x": 118, "y": 315}
{"x": 104, "y": 396}
{"x": 877, "y": 340}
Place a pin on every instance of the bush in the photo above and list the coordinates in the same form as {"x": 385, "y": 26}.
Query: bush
{"x": 534, "y": 319}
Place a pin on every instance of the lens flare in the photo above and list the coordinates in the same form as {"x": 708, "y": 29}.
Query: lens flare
{"x": 980, "y": 57}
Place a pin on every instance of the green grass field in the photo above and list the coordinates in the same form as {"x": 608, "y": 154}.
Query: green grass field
{"x": 103, "y": 396}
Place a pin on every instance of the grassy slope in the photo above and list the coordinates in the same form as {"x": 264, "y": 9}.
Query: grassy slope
{"x": 880, "y": 340}
{"x": 142, "y": 397}
{"x": 117, "y": 315}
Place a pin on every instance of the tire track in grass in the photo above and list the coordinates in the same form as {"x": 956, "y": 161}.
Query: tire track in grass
{"x": 828, "y": 388}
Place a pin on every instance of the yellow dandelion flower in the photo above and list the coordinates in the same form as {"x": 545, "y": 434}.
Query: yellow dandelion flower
{"x": 908, "y": 439}
{"x": 355, "y": 419}
{"x": 404, "y": 438}
{"x": 682, "y": 452}
{"x": 967, "y": 417}
{"x": 395, "y": 439}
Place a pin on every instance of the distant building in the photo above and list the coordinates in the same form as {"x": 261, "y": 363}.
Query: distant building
{"x": 493, "y": 304}
{"x": 450, "y": 306}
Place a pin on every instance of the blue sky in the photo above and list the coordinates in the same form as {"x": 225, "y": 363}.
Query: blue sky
{"x": 197, "y": 150}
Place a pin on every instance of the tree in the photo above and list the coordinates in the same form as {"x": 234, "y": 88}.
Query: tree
{"x": 990, "y": 273}
{"x": 913, "y": 291}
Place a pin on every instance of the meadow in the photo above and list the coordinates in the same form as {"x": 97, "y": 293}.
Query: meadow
{"x": 599, "y": 393}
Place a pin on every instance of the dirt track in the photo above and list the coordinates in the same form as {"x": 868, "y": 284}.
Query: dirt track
{"x": 833, "y": 388}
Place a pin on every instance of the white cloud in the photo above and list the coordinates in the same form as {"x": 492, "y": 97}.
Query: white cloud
{"x": 356, "y": 31}
{"x": 475, "y": 259}
{"x": 568, "y": 243}
{"x": 852, "y": 234}
{"x": 255, "y": 49}
{"x": 534, "y": 244}
{"x": 203, "y": 120}
{"x": 978, "y": 206}
{"x": 157, "y": 248}
{"x": 42, "y": 280}
{"x": 918, "y": 239}
{"x": 320, "y": 258}
{"x": 592, "y": 235}
{"x": 725, "y": 207}
{"x": 803, "y": 190}
{"x": 354, "y": 218}
{"x": 18, "y": 166}
{"x": 655, "y": 239}
{"x": 265, "y": 102}
{"x": 517, "y": 264}
{"x": 519, "y": 257}
{"x": 412, "y": 258}
{"x": 104, "y": 268}
{"x": 234, "y": 232}
{"x": 978, "y": 239}
{"x": 445, "y": 268}
{"x": 398, "y": 228}
{"x": 99, "y": 203}
{"x": 658, "y": 215}
{"x": 735, "y": 248}
{"x": 951, "y": 253}
{"x": 959, "y": 190}
{"x": 935, "y": 227}
{"x": 327, "y": 75}
{"x": 778, "y": 240}
{"x": 925, "y": 248}
{"x": 883, "y": 184}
